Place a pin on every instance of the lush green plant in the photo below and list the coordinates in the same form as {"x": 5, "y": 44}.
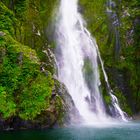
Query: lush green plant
{"x": 7, "y": 19}
{"x": 7, "y": 104}
{"x": 24, "y": 89}
{"x": 35, "y": 98}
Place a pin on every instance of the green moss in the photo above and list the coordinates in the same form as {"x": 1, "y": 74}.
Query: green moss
{"x": 108, "y": 100}
{"x": 7, "y": 19}
{"x": 7, "y": 107}
{"x": 27, "y": 90}
{"x": 20, "y": 9}
{"x": 14, "y": 46}
{"x": 35, "y": 98}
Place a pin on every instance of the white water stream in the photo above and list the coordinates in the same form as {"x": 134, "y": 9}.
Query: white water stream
{"x": 77, "y": 54}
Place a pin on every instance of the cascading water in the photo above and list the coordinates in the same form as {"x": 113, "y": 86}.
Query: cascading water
{"x": 114, "y": 26}
{"x": 77, "y": 54}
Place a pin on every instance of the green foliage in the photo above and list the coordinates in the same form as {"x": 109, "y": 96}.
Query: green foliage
{"x": 24, "y": 89}
{"x": 7, "y": 19}
{"x": 131, "y": 48}
{"x": 107, "y": 99}
{"x": 35, "y": 98}
{"x": 7, "y": 104}
{"x": 20, "y": 9}
{"x": 95, "y": 15}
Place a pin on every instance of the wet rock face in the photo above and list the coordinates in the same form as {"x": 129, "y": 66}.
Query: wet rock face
{"x": 48, "y": 63}
{"x": 71, "y": 113}
{"x": 17, "y": 123}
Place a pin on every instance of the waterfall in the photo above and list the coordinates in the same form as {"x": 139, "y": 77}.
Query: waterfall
{"x": 77, "y": 60}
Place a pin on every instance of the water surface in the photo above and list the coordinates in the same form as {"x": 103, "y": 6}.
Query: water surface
{"x": 125, "y": 131}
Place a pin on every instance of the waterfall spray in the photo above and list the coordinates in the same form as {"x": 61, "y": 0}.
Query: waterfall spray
{"x": 77, "y": 53}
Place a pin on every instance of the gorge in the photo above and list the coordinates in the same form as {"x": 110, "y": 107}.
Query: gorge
{"x": 69, "y": 69}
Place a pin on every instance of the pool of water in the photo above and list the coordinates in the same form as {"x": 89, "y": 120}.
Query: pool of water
{"x": 122, "y": 131}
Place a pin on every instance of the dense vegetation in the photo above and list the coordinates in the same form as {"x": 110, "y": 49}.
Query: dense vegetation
{"x": 27, "y": 86}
